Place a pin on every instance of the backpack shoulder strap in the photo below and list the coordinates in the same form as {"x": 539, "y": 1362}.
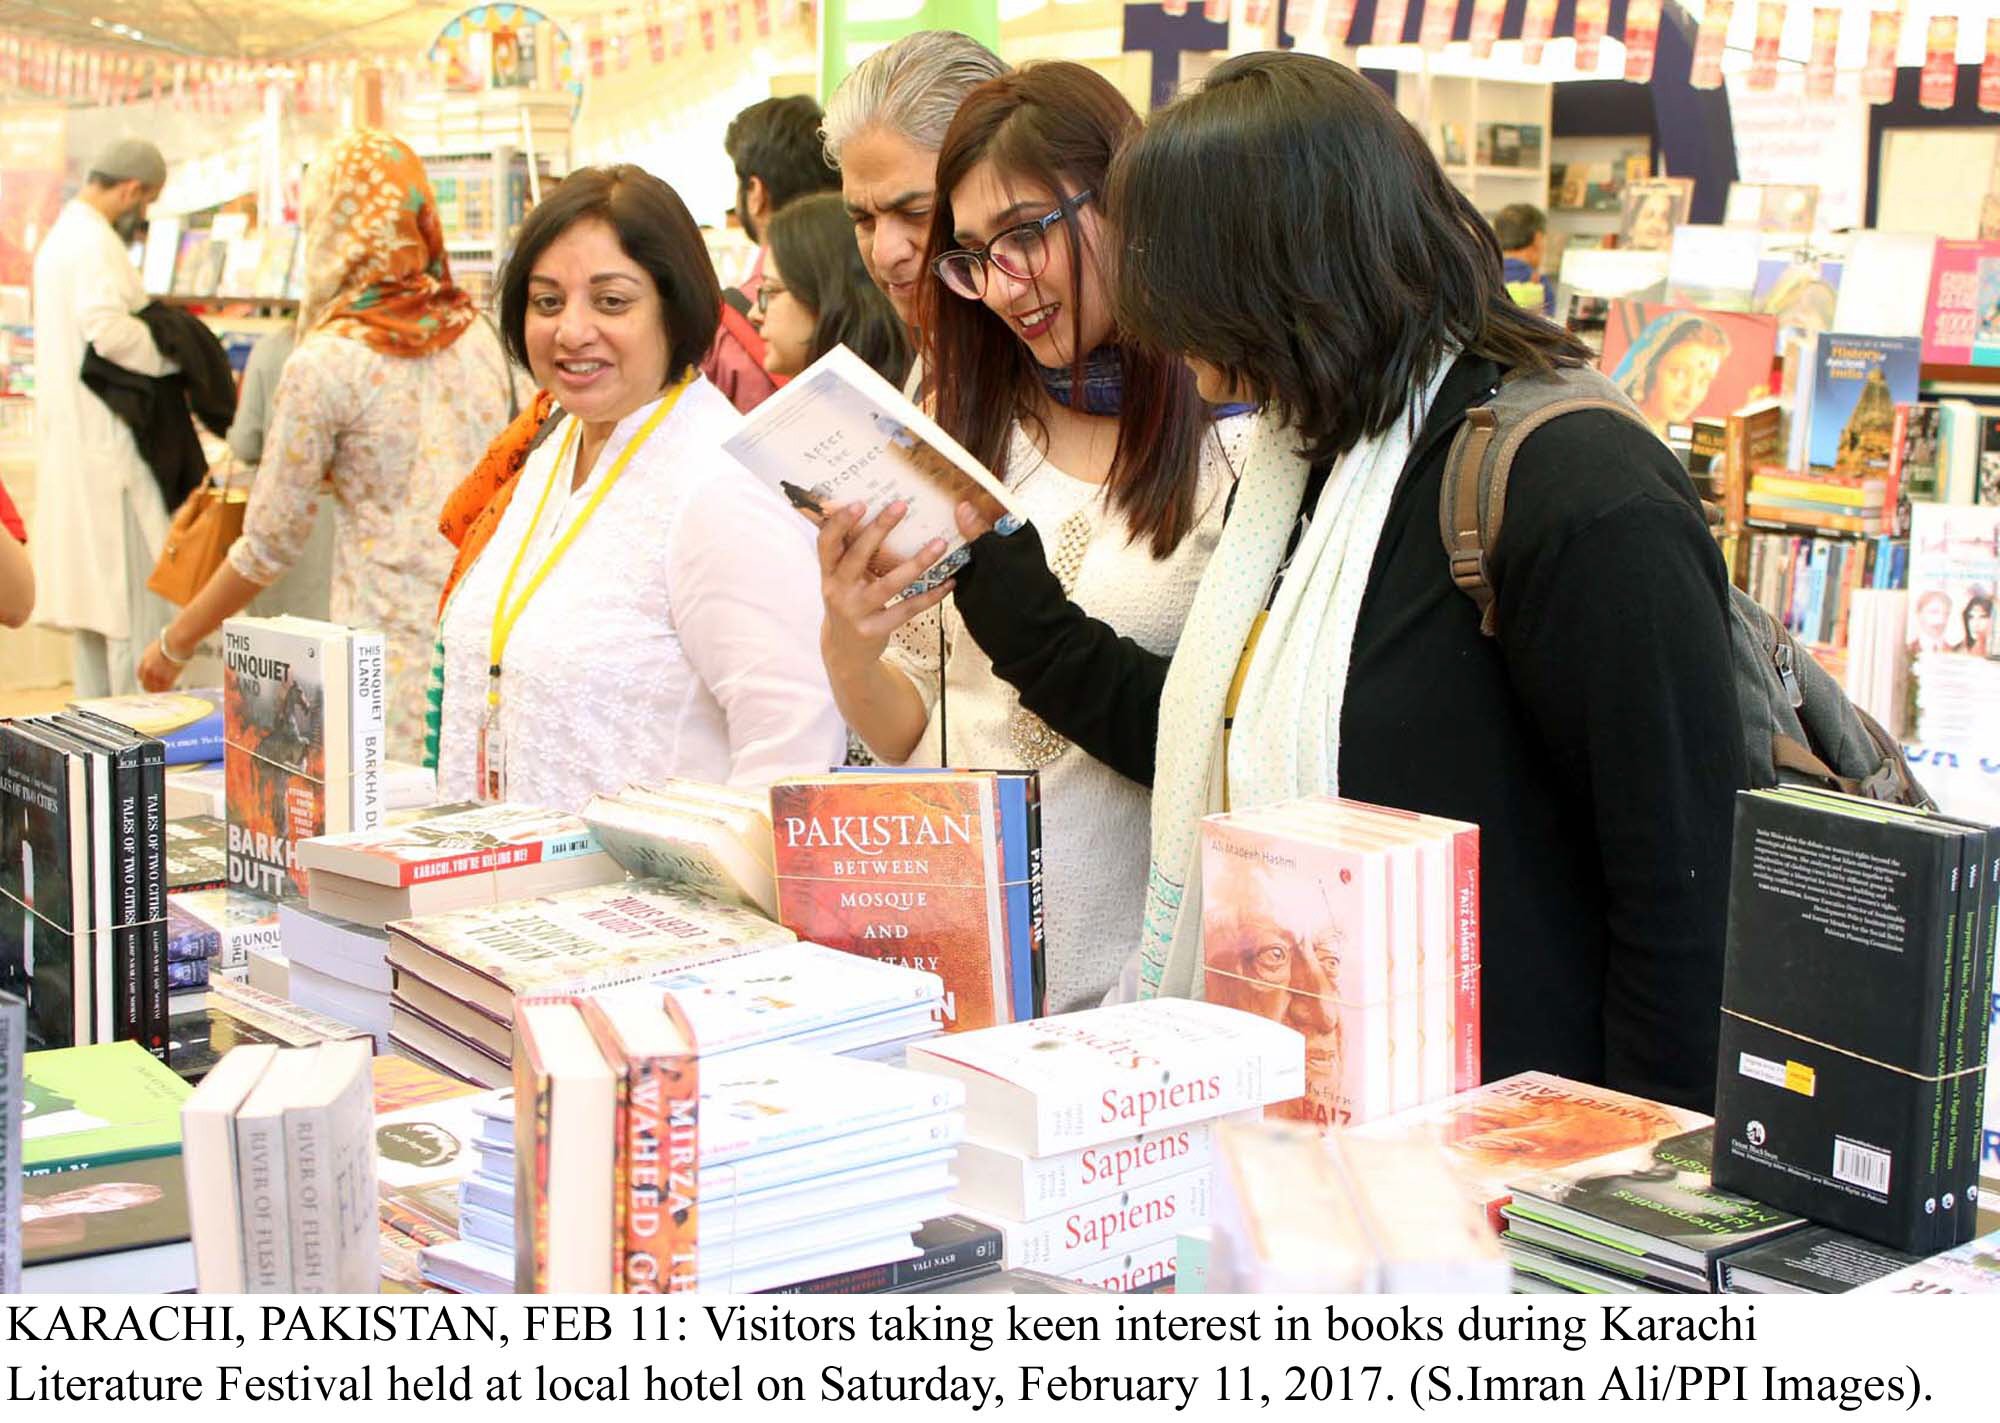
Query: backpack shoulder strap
{"x": 1472, "y": 499}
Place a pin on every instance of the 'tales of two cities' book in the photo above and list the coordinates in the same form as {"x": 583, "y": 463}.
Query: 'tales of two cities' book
{"x": 45, "y": 897}
{"x": 905, "y": 868}
{"x": 838, "y": 434}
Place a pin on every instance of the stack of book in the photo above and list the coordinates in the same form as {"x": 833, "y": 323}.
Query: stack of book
{"x": 1343, "y": 1214}
{"x": 480, "y": 1259}
{"x": 1969, "y": 1269}
{"x": 1812, "y": 1261}
{"x": 1645, "y": 1220}
{"x": 303, "y": 752}
{"x": 957, "y": 1254}
{"x": 457, "y": 975}
{"x": 280, "y": 1156}
{"x": 1847, "y": 504}
{"x": 1358, "y": 927}
{"x": 1532, "y": 1121}
{"x": 1090, "y": 1134}
{"x": 214, "y": 933}
{"x": 234, "y": 1015}
{"x": 803, "y": 1163}
{"x": 1808, "y": 582}
{"x": 337, "y": 968}
{"x": 803, "y": 998}
{"x": 715, "y": 839}
{"x": 103, "y": 1206}
{"x": 460, "y": 857}
{"x": 83, "y": 884}
{"x": 1858, "y": 967}
{"x": 936, "y": 869}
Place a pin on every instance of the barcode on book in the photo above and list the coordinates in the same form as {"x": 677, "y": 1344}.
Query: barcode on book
{"x": 1860, "y": 1165}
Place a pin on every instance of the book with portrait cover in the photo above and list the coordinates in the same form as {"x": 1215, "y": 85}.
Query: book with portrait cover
{"x": 580, "y": 940}
{"x": 904, "y": 868}
{"x": 1083, "y": 1079}
{"x": 1679, "y": 364}
{"x": 838, "y": 434}
{"x": 1532, "y": 1121}
{"x": 1653, "y": 1207}
{"x": 46, "y": 901}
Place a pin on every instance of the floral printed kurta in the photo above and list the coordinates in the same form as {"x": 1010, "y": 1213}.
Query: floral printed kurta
{"x": 391, "y": 437}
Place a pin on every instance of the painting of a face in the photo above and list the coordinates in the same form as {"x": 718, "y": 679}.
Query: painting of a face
{"x": 1273, "y": 973}
{"x": 1681, "y": 380}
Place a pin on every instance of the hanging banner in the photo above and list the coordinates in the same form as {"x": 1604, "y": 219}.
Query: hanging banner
{"x": 1709, "y": 40}
{"x": 1297, "y": 16}
{"x": 1989, "y": 69}
{"x": 1764, "y": 49}
{"x": 1173, "y": 8}
{"x": 1339, "y": 21}
{"x": 1642, "y": 40}
{"x": 760, "y": 13}
{"x": 1938, "y": 86}
{"x": 1537, "y": 24}
{"x": 1878, "y": 75}
{"x": 1820, "y": 59}
{"x": 656, "y": 36}
{"x": 1390, "y": 16}
{"x": 1592, "y": 16}
{"x": 1256, "y": 13}
{"x": 1440, "y": 18}
{"x": 732, "y": 15}
{"x": 1216, "y": 12}
{"x": 708, "y": 28}
{"x": 1485, "y": 28}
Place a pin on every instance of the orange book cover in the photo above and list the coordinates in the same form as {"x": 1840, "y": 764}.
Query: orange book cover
{"x": 905, "y": 869}
{"x": 655, "y": 1222}
{"x": 401, "y": 1083}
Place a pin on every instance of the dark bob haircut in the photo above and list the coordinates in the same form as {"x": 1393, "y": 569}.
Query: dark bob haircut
{"x": 1286, "y": 224}
{"x": 812, "y": 242}
{"x": 655, "y": 230}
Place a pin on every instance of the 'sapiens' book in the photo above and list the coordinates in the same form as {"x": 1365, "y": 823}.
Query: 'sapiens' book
{"x": 1847, "y": 998}
{"x": 712, "y": 839}
{"x": 1092, "y": 1230}
{"x": 13, "y": 1047}
{"x": 1083, "y": 1079}
{"x": 797, "y": 992}
{"x": 1650, "y": 1208}
{"x": 197, "y": 853}
{"x": 565, "y": 1153}
{"x": 655, "y": 1065}
{"x": 1848, "y": 402}
{"x": 479, "y": 855}
{"x": 1812, "y": 1261}
{"x": 905, "y": 868}
{"x": 1952, "y": 314}
{"x": 222, "y": 926}
{"x": 1969, "y": 1269}
{"x": 838, "y": 434}
{"x": 46, "y": 897}
{"x": 577, "y": 941}
{"x": 98, "y": 1106}
{"x": 1020, "y": 1187}
{"x": 1531, "y": 1121}
{"x": 302, "y": 719}
{"x": 187, "y": 724}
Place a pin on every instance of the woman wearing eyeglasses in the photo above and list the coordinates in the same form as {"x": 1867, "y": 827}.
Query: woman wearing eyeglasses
{"x": 1031, "y": 374}
{"x": 816, "y": 294}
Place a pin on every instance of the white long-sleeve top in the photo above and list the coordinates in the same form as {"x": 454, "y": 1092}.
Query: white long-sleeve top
{"x": 86, "y": 293}
{"x": 679, "y": 636}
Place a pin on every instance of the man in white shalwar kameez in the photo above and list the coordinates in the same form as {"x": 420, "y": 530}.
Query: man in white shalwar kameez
{"x": 99, "y": 515}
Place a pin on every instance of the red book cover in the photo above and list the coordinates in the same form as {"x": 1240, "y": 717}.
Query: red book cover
{"x": 906, "y": 869}
{"x": 274, "y": 754}
{"x": 1950, "y": 316}
{"x": 1679, "y": 364}
{"x": 655, "y": 1230}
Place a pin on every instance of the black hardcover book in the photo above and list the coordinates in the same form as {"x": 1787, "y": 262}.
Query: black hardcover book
{"x": 1813, "y": 1261}
{"x": 955, "y": 1248}
{"x": 197, "y": 853}
{"x": 148, "y": 910}
{"x": 96, "y": 933}
{"x": 119, "y": 748}
{"x": 45, "y": 886}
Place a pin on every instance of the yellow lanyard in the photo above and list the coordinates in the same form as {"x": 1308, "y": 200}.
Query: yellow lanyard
{"x": 504, "y": 616}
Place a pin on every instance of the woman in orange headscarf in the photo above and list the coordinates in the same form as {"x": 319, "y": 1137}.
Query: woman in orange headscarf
{"x": 393, "y": 392}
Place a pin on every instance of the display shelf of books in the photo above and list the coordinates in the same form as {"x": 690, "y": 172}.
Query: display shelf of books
{"x": 1587, "y": 178}
{"x": 1492, "y": 135}
{"x": 217, "y": 260}
{"x": 483, "y": 193}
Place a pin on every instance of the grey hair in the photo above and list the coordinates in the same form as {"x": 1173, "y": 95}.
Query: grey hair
{"x": 912, "y": 88}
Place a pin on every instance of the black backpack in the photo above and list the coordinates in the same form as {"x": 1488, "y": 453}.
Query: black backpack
{"x": 1798, "y": 725}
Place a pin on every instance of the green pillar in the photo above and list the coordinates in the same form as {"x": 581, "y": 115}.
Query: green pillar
{"x": 978, "y": 18}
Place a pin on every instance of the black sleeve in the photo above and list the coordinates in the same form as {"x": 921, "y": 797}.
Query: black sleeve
{"x": 1100, "y": 690}
{"x": 1615, "y": 631}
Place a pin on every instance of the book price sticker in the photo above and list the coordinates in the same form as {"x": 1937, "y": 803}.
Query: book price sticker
{"x": 1792, "y": 1076}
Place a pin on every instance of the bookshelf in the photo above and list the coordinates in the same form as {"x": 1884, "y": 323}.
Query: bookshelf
{"x": 1491, "y": 135}
{"x": 483, "y": 194}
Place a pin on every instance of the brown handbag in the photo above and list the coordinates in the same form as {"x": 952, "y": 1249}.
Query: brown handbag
{"x": 199, "y": 538}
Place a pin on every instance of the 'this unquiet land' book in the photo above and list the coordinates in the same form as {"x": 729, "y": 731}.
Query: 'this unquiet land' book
{"x": 303, "y": 726}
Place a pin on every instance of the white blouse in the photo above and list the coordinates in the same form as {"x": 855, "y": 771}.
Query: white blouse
{"x": 678, "y": 636}
{"x": 1096, "y": 824}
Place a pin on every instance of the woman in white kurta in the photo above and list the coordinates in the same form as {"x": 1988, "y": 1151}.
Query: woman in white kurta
{"x": 653, "y": 611}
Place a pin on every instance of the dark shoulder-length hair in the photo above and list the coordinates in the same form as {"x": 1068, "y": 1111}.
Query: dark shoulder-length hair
{"x": 1058, "y": 125}
{"x": 1285, "y": 224}
{"x": 655, "y": 230}
{"x": 812, "y": 241}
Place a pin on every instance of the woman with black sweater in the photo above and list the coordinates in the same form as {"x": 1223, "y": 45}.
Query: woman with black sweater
{"x": 1357, "y": 299}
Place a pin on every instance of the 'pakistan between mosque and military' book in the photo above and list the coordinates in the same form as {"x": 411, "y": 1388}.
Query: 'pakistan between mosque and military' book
{"x": 302, "y": 713}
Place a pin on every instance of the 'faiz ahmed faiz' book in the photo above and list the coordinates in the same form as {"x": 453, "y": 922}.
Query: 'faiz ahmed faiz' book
{"x": 904, "y": 868}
